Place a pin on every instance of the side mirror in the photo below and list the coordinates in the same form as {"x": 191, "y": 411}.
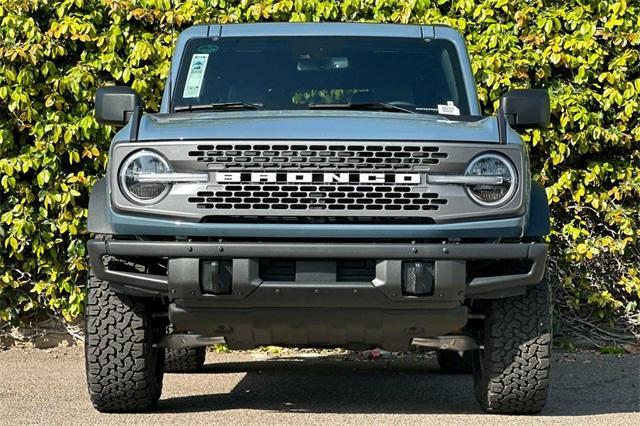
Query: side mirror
{"x": 115, "y": 105}
{"x": 526, "y": 108}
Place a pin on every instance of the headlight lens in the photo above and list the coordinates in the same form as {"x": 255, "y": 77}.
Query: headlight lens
{"x": 492, "y": 165}
{"x": 143, "y": 162}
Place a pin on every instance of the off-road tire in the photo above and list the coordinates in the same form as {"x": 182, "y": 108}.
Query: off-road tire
{"x": 184, "y": 360}
{"x": 124, "y": 370}
{"x": 511, "y": 372}
{"x": 451, "y": 362}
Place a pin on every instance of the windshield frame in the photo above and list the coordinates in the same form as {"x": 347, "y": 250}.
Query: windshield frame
{"x": 459, "y": 60}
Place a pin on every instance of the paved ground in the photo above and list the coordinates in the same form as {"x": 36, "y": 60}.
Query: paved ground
{"x": 239, "y": 388}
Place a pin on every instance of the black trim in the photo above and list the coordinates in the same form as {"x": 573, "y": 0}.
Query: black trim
{"x": 247, "y": 252}
{"x": 502, "y": 126}
{"x": 98, "y": 219}
{"x": 315, "y": 220}
{"x": 135, "y": 123}
{"x": 538, "y": 224}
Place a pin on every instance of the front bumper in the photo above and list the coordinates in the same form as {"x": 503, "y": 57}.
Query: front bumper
{"x": 449, "y": 260}
{"x": 316, "y": 309}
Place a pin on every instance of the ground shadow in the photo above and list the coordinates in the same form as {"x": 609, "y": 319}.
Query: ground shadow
{"x": 409, "y": 386}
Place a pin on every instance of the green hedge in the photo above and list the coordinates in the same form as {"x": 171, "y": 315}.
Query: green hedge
{"x": 55, "y": 53}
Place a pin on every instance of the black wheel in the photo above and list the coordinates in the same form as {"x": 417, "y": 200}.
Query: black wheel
{"x": 452, "y": 362}
{"x": 511, "y": 371}
{"x": 124, "y": 370}
{"x": 184, "y": 360}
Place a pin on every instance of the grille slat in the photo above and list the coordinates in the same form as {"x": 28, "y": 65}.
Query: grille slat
{"x": 241, "y": 157}
{"x": 376, "y": 198}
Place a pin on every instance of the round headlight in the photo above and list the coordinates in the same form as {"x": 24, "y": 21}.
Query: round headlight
{"x": 141, "y": 163}
{"x": 496, "y": 193}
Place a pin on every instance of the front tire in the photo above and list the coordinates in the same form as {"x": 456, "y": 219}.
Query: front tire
{"x": 188, "y": 360}
{"x": 124, "y": 370}
{"x": 511, "y": 372}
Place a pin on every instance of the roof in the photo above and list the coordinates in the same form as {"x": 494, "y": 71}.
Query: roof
{"x": 321, "y": 29}
{"x": 363, "y": 29}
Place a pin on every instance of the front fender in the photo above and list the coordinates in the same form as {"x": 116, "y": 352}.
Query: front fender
{"x": 99, "y": 221}
{"x": 538, "y": 223}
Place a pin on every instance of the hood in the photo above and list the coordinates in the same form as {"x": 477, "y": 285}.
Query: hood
{"x": 319, "y": 125}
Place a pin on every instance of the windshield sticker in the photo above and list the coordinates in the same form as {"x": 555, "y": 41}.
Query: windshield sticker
{"x": 196, "y": 75}
{"x": 448, "y": 109}
{"x": 208, "y": 48}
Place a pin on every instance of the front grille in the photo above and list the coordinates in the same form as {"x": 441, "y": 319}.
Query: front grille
{"x": 319, "y": 197}
{"x": 326, "y": 197}
{"x": 236, "y": 157}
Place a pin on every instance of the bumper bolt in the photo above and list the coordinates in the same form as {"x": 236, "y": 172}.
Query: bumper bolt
{"x": 220, "y": 249}
{"x": 414, "y": 250}
{"x": 445, "y": 250}
{"x": 189, "y": 248}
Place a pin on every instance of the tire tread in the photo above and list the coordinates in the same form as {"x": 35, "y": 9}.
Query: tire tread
{"x": 184, "y": 360}
{"x": 124, "y": 371}
{"x": 514, "y": 375}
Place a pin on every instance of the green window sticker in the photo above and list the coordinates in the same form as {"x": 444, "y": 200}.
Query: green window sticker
{"x": 208, "y": 48}
{"x": 196, "y": 75}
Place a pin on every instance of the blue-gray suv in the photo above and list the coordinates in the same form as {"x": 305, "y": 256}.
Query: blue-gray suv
{"x": 319, "y": 185}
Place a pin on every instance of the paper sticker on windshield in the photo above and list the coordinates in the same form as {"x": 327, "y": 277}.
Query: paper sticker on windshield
{"x": 196, "y": 75}
{"x": 448, "y": 109}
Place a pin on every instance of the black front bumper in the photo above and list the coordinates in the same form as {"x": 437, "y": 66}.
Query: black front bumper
{"x": 450, "y": 259}
{"x": 316, "y": 309}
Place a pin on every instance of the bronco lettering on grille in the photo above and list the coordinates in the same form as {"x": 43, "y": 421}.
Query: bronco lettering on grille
{"x": 262, "y": 177}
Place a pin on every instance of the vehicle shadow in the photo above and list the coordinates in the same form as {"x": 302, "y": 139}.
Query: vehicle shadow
{"x": 409, "y": 386}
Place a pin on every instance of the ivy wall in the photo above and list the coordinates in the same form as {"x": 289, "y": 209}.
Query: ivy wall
{"x": 55, "y": 53}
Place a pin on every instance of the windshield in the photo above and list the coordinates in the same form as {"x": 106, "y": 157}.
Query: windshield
{"x": 290, "y": 73}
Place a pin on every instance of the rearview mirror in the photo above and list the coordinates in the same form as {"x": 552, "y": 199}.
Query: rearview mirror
{"x": 334, "y": 63}
{"x": 526, "y": 108}
{"x": 115, "y": 105}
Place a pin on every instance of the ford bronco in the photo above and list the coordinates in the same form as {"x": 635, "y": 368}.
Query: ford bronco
{"x": 319, "y": 185}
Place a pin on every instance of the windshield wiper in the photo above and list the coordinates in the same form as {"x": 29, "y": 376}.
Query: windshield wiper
{"x": 377, "y": 106}
{"x": 219, "y": 106}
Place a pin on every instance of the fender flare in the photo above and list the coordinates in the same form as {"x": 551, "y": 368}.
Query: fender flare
{"x": 538, "y": 224}
{"x": 98, "y": 221}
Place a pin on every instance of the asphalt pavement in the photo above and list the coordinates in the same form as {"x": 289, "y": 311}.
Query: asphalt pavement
{"x": 48, "y": 387}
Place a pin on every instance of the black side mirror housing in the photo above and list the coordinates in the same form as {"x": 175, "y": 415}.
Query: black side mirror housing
{"x": 526, "y": 108}
{"x": 115, "y": 105}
